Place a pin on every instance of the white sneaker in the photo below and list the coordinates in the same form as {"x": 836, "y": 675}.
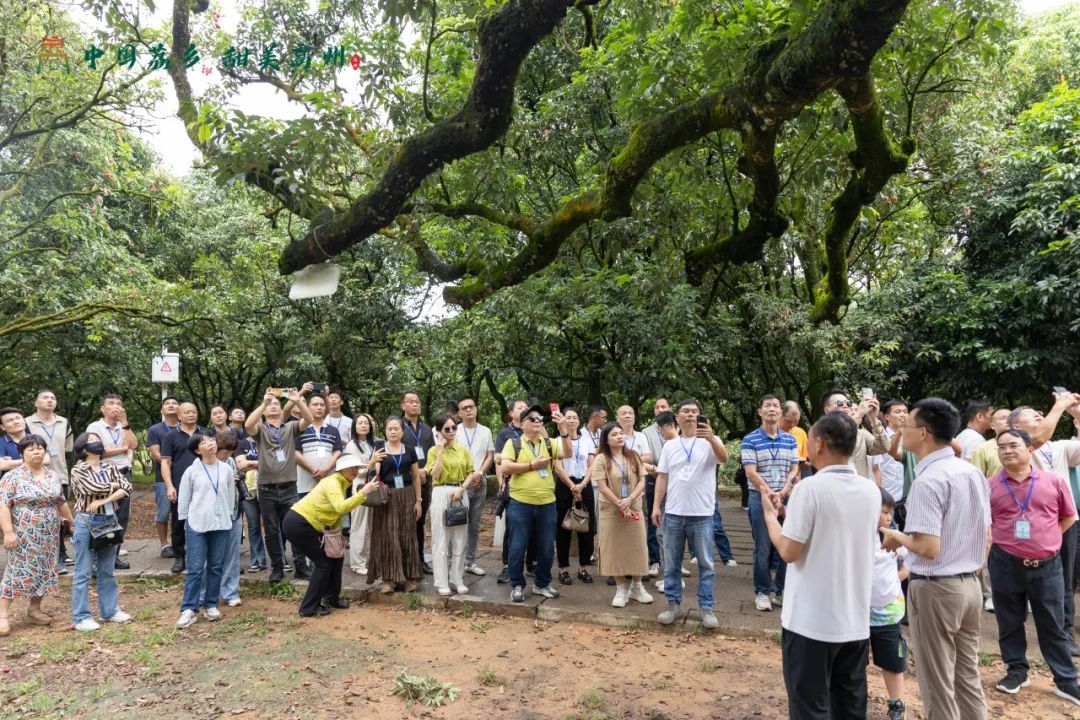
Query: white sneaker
{"x": 762, "y": 602}
{"x": 212, "y": 614}
{"x": 660, "y": 584}
{"x": 731, "y": 562}
{"x": 234, "y": 602}
{"x": 445, "y": 592}
{"x": 475, "y": 569}
{"x": 988, "y": 605}
{"x": 654, "y": 570}
{"x": 685, "y": 572}
{"x": 620, "y": 597}
{"x": 87, "y": 625}
{"x": 360, "y": 570}
{"x": 693, "y": 561}
{"x": 638, "y": 593}
{"x": 461, "y": 589}
{"x": 122, "y": 553}
{"x": 187, "y": 619}
{"x": 120, "y": 617}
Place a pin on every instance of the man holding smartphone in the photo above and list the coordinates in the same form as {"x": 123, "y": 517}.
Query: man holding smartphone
{"x": 869, "y": 442}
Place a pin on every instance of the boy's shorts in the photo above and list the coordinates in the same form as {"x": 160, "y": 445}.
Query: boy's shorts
{"x": 889, "y": 648}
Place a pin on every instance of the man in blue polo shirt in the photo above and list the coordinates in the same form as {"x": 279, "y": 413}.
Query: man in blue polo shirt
{"x": 14, "y": 427}
{"x": 770, "y": 457}
{"x": 155, "y": 437}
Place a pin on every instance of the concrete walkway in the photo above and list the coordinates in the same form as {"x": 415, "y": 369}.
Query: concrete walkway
{"x": 588, "y": 603}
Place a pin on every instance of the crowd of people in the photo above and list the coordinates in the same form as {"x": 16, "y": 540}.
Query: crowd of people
{"x": 881, "y": 515}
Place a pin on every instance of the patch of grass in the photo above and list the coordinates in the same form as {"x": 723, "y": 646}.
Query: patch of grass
{"x": 427, "y": 690}
{"x": 42, "y": 703}
{"x": 255, "y": 623}
{"x": 480, "y": 626}
{"x": 986, "y": 659}
{"x": 18, "y": 648}
{"x": 99, "y": 691}
{"x": 708, "y": 666}
{"x": 160, "y": 638}
{"x": 118, "y": 635}
{"x": 411, "y": 601}
{"x": 150, "y": 612}
{"x": 148, "y": 659}
{"x": 593, "y": 700}
{"x": 28, "y": 686}
{"x": 466, "y": 610}
{"x": 282, "y": 590}
{"x": 489, "y": 677}
{"x": 291, "y": 623}
{"x": 159, "y": 584}
{"x": 62, "y": 649}
{"x": 697, "y": 630}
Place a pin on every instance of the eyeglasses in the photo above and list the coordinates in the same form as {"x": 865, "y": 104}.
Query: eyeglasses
{"x": 535, "y": 418}
{"x": 844, "y": 403}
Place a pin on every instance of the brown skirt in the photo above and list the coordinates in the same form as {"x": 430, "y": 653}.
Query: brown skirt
{"x": 622, "y": 549}
{"x": 394, "y": 556}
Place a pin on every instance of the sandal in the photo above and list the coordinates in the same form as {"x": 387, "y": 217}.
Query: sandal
{"x": 584, "y": 575}
{"x": 565, "y": 579}
{"x": 38, "y": 617}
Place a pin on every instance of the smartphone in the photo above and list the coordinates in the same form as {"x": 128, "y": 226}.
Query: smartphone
{"x": 1058, "y": 390}
{"x": 702, "y": 421}
{"x": 318, "y": 388}
{"x": 554, "y": 408}
{"x": 279, "y": 393}
{"x": 867, "y": 393}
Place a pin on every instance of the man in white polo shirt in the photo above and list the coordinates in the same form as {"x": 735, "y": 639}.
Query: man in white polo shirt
{"x": 828, "y": 539}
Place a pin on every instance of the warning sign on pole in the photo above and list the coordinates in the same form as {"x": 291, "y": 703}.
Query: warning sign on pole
{"x": 166, "y": 368}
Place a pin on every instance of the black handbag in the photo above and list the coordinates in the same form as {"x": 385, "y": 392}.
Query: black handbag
{"x": 102, "y": 537}
{"x": 456, "y": 514}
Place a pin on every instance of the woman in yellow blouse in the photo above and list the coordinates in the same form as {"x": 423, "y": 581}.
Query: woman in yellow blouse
{"x": 319, "y": 510}
{"x": 450, "y": 467}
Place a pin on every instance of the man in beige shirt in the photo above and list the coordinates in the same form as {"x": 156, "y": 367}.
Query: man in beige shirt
{"x": 869, "y": 442}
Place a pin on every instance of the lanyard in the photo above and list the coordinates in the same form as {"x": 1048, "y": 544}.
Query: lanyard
{"x": 100, "y": 477}
{"x": 690, "y": 452}
{"x": 622, "y": 468}
{"x": 275, "y": 433}
{"x": 48, "y": 430}
{"x": 335, "y": 425}
{"x": 1047, "y": 456}
{"x": 468, "y": 440}
{"x": 1027, "y": 500}
{"x": 537, "y": 451}
{"x": 398, "y": 459}
{"x": 631, "y": 440}
{"x": 774, "y": 447}
{"x": 577, "y": 448}
{"x": 416, "y": 433}
{"x": 216, "y": 481}
{"x": 117, "y": 437}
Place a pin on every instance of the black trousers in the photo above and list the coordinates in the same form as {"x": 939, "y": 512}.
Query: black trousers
{"x": 825, "y": 681}
{"x": 564, "y": 500}
{"x": 274, "y": 504}
{"x": 425, "y": 503}
{"x": 1068, "y": 572}
{"x": 177, "y": 540}
{"x": 325, "y": 582}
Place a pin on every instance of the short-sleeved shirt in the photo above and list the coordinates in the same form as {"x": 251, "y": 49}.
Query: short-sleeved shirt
{"x": 985, "y": 458}
{"x": 950, "y": 499}
{"x": 1050, "y": 502}
{"x": 111, "y": 437}
{"x": 457, "y": 464}
{"x": 508, "y": 433}
{"x": 275, "y": 446}
{"x": 156, "y": 436}
{"x": 175, "y": 447}
{"x": 969, "y": 439}
{"x": 534, "y": 487}
{"x": 800, "y": 442}
{"x": 9, "y": 449}
{"x": 343, "y": 425}
{"x": 317, "y": 445}
{"x": 638, "y": 443}
{"x": 656, "y": 441}
{"x": 418, "y": 439}
{"x": 577, "y": 462}
{"x": 773, "y": 456}
{"x": 887, "y": 604}
{"x": 834, "y": 513}
{"x": 398, "y": 464}
{"x": 691, "y": 470}
{"x": 59, "y": 437}
{"x": 590, "y": 445}
{"x": 479, "y": 442}
{"x": 892, "y": 471}
{"x": 1057, "y": 456}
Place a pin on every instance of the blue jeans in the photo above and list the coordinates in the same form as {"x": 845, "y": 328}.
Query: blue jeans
{"x": 535, "y": 523}
{"x": 86, "y": 563}
{"x": 765, "y": 555}
{"x": 723, "y": 546}
{"x": 205, "y": 552}
{"x": 680, "y": 530}
{"x": 255, "y": 537}
{"x": 230, "y": 567}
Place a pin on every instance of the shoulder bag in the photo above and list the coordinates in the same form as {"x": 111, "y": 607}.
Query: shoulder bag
{"x": 576, "y": 519}
{"x": 333, "y": 543}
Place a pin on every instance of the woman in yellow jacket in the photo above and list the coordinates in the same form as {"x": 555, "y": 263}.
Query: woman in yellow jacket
{"x": 319, "y": 510}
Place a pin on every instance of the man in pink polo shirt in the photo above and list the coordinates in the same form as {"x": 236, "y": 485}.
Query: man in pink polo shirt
{"x": 1029, "y": 510}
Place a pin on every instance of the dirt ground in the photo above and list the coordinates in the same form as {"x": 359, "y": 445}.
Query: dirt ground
{"x": 263, "y": 661}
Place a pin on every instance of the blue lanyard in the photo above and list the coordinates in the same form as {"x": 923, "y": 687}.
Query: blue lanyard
{"x": 275, "y": 433}
{"x": 577, "y": 448}
{"x": 48, "y": 431}
{"x": 1031, "y": 487}
{"x": 398, "y": 459}
{"x": 468, "y": 440}
{"x": 416, "y": 433}
{"x": 537, "y": 451}
{"x": 774, "y": 447}
{"x": 622, "y": 468}
{"x": 115, "y": 438}
{"x": 216, "y": 481}
{"x": 690, "y": 452}
{"x": 631, "y": 440}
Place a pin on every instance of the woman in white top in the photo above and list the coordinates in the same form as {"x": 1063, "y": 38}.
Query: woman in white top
{"x": 363, "y": 445}
{"x": 205, "y": 502}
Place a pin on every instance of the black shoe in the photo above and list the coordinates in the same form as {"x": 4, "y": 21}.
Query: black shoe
{"x": 178, "y": 564}
{"x": 1069, "y": 692}
{"x": 167, "y": 551}
{"x": 339, "y": 604}
{"x": 302, "y": 574}
{"x": 427, "y": 569}
{"x": 897, "y": 710}
{"x": 611, "y": 581}
{"x": 1012, "y": 682}
{"x": 121, "y": 565}
{"x": 565, "y": 579}
{"x": 277, "y": 576}
{"x": 584, "y": 576}
{"x": 321, "y": 612}
{"x": 61, "y": 570}
{"x": 504, "y": 576}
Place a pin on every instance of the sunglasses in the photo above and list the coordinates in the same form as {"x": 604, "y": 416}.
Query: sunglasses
{"x": 449, "y": 429}
{"x": 844, "y": 403}
{"x": 535, "y": 418}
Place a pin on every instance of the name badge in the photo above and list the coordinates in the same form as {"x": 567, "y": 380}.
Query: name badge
{"x": 775, "y": 477}
{"x": 108, "y": 509}
{"x": 52, "y": 452}
{"x": 685, "y": 473}
{"x": 624, "y": 491}
{"x": 419, "y": 452}
{"x": 542, "y": 472}
{"x": 399, "y": 482}
{"x": 279, "y": 455}
{"x": 1023, "y": 530}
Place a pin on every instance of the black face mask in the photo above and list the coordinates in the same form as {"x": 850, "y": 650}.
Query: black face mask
{"x": 96, "y": 448}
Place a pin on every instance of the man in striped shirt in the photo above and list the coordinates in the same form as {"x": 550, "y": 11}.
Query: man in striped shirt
{"x": 947, "y": 536}
{"x": 770, "y": 457}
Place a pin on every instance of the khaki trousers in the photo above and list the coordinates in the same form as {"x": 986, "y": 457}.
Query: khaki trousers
{"x": 944, "y": 616}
